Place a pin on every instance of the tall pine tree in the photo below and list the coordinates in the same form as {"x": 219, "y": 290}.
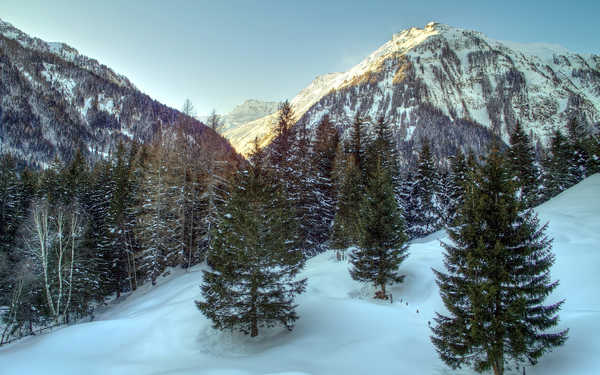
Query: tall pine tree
{"x": 521, "y": 159}
{"x": 427, "y": 217}
{"x": 255, "y": 263}
{"x": 382, "y": 245}
{"x": 323, "y": 157}
{"x": 497, "y": 278}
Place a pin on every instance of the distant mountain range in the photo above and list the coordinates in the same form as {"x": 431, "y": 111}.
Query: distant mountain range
{"x": 54, "y": 100}
{"x": 455, "y": 86}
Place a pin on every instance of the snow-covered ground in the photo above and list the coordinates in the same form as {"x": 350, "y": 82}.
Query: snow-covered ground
{"x": 341, "y": 330}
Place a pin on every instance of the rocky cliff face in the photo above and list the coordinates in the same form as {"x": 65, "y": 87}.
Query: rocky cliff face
{"x": 457, "y": 87}
{"x": 54, "y": 100}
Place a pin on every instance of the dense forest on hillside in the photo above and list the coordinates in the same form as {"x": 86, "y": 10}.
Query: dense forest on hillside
{"x": 51, "y": 106}
{"x": 77, "y": 234}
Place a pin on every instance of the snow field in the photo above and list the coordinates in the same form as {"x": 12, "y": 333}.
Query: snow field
{"x": 341, "y": 330}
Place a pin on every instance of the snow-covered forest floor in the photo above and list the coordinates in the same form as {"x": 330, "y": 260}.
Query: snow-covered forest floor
{"x": 341, "y": 330}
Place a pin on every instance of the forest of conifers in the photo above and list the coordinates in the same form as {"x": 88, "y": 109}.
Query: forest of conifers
{"x": 76, "y": 234}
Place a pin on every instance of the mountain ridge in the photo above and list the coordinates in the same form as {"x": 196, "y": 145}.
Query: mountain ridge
{"x": 54, "y": 101}
{"x": 63, "y": 51}
{"x": 461, "y": 76}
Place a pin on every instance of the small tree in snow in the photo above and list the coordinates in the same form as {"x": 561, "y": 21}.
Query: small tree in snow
{"x": 254, "y": 258}
{"x": 382, "y": 245}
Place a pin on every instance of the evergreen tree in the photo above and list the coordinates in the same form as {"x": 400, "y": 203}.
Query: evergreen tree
{"x": 497, "y": 278}
{"x": 303, "y": 191}
{"x": 153, "y": 224}
{"x": 283, "y": 142}
{"x": 458, "y": 178}
{"x": 253, "y": 282}
{"x": 383, "y": 148}
{"x": 12, "y": 215}
{"x": 98, "y": 244}
{"x": 323, "y": 159}
{"x": 121, "y": 219}
{"x": 382, "y": 244}
{"x": 357, "y": 145}
{"x": 345, "y": 225}
{"x": 558, "y": 171}
{"x": 406, "y": 202}
{"x": 583, "y": 155}
{"x": 427, "y": 218}
{"x": 521, "y": 159}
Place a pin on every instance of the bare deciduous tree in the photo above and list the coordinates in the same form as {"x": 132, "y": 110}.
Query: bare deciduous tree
{"x": 51, "y": 237}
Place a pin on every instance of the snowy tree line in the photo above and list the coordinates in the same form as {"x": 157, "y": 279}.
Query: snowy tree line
{"x": 74, "y": 234}
{"x": 306, "y": 193}
{"x": 343, "y": 194}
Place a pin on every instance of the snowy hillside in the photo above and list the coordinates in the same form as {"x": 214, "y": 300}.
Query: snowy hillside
{"x": 341, "y": 330}
{"x": 248, "y": 111}
{"x": 441, "y": 79}
{"x": 54, "y": 100}
{"x": 63, "y": 51}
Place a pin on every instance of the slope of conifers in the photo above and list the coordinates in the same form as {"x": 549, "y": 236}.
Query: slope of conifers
{"x": 54, "y": 100}
{"x": 340, "y": 330}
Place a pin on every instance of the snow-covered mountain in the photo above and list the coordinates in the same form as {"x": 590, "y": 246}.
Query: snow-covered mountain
{"x": 452, "y": 85}
{"x": 341, "y": 329}
{"x": 248, "y": 111}
{"x": 54, "y": 100}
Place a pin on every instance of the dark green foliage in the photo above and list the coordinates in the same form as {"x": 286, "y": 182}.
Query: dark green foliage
{"x": 357, "y": 144}
{"x": 255, "y": 262}
{"x": 345, "y": 225}
{"x": 382, "y": 245}
{"x": 584, "y": 154}
{"x": 283, "y": 141}
{"x": 384, "y": 148}
{"x": 323, "y": 157}
{"x": 521, "y": 160}
{"x": 426, "y": 216}
{"x": 558, "y": 172}
{"x": 497, "y": 278}
{"x": 457, "y": 180}
{"x": 302, "y": 192}
{"x": 13, "y": 202}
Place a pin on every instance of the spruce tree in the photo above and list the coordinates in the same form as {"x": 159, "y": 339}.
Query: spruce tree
{"x": 98, "y": 240}
{"x": 558, "y": 171}
{"x": 383, "y": 147}
{"x": 521, "y": 159}
{"x": 302, "y": 189}
{"x": 581, "y": 151}
{"x": 425, "y": 193}
{"x": 12, "y": 215}
{"x": 357, "y": 144}
{"x": 255, "y": 263}
{"x": 458, "y": 177}
{"x": 283, "y": 142}
{"x": 323, "y": 159}
{"x": 497, "y": 278}
{"x": 345, "y": 224}
{"x": 382, "y": 244}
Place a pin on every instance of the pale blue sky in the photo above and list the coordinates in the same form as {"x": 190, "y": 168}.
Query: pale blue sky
{"x": 219, "y": 53}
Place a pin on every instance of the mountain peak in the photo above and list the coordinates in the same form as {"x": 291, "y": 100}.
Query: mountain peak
{"x": 454, "y": 75}
{"x": 63, "y": 51}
